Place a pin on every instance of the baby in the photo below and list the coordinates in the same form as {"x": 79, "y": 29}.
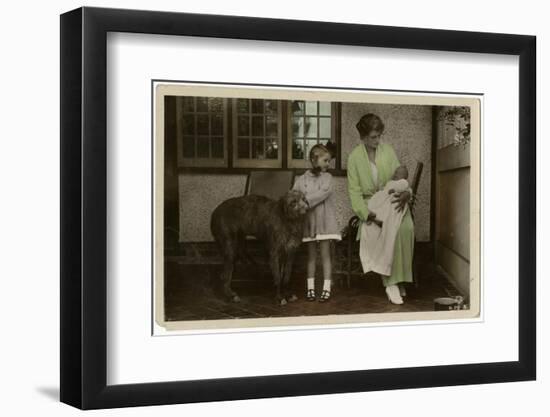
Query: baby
{"x": 380, "y": 204}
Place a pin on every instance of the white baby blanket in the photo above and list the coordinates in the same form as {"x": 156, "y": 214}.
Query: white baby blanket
{"x": 377, "y": 243}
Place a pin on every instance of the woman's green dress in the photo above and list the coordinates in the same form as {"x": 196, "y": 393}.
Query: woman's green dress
{"x": 361, "y": 187}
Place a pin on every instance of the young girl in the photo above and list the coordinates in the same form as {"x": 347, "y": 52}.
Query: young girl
{"x": 320, "y": 226}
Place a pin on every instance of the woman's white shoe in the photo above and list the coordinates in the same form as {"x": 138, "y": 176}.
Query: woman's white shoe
{"x": 393, "y": 294}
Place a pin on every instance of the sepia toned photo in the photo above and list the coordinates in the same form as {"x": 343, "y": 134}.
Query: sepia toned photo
{"x": 279, "y": 207}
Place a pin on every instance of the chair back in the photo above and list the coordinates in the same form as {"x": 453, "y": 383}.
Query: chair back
{"x": 416, "y": 176}
{"x": 272, "y": 184}
{"x": 414, "y": 184}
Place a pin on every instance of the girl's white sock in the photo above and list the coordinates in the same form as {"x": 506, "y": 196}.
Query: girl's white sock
{"x": 311, "y": 283}
{"x": 326, "y": 285}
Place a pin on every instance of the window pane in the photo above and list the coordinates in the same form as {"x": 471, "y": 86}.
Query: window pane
{"x": 271, "y": 126}
{"x": 217, "y": 124}
{"x": 188, "y": 147}
{"x": 202, "y": 124}
{"x": 298, "y": 107}
{"x": 202, "y": 130}
{"x": 298, "y": 149}
{"x": 324, "y": 108}
{"x": 242, "y": 105}
{"x": 270, "y": 106}
{"x": 203, "y": 147}
{"x": 257, "y": 106}
{"x": 216, "y": 104}
{"x": 202, "y": 104}
{"x": 217, "y": 147}
{"x": 298, "y": 127}
{"x": 258, "y": 148}
{"x": 324, "y": 127}
{"x": 271, "y": 149}
{"x": 188, "y": 124}
{"x": 188, "y": 104}
{"x": 257, "y": 125}
{"x": 242, "y": 148}
{"x": 311, "y": 108}
{"x": 311, "y": 127}
{"x": 259, "y": 120}
{"x": 243, "y": 126}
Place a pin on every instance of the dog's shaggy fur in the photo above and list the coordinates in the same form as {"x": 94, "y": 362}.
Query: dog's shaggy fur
{"x": 278, "y": 224}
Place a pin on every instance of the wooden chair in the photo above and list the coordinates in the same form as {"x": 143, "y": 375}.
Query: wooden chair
{"x": 354, "y": 223}
{"x": 272, "y": 184}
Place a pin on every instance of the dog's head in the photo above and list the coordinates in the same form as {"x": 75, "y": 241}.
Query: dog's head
{"x": 294, "y": 204}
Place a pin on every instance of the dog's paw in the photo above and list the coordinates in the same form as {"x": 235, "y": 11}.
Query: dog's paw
{"x": 292, "y": 298}
{"x": 236, "y": 299}
{"x": 283, "y": 302}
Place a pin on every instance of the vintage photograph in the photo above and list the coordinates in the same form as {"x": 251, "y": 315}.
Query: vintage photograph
{"x": 279, "y": 206}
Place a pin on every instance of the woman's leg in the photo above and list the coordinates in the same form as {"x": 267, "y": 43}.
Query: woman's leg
{"x": 402, "y": 254}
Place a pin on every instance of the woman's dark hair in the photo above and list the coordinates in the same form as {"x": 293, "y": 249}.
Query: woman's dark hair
{"x": 368, "y": 123}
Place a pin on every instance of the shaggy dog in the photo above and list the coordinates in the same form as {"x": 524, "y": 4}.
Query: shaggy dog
{"x": 278, "y": 224}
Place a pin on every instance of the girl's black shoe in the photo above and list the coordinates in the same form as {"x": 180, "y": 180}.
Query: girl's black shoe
{"x": 325, "y": 296}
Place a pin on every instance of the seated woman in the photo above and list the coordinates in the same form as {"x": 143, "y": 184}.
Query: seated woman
{"x": 370, "y": 166}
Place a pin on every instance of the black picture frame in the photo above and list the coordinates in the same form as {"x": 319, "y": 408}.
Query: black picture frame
{"x": 84, "y": 207}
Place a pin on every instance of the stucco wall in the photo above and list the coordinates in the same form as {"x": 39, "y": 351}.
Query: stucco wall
{"x": 199, "y": 195}
{"x": 408, "y": 129}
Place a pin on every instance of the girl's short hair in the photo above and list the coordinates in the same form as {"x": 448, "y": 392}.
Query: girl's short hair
{"x": 316, "y": 152}
{"x": 368, "y": 123}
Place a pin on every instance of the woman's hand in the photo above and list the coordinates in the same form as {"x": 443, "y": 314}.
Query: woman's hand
{"x": 401, "y": 199}
{"x": 371, "y": 216}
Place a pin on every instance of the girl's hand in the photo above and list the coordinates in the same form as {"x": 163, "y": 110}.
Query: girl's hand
{"x": 401, "y": 200}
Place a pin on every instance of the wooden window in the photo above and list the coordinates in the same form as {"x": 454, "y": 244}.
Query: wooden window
{"x": 215, "y": 132}
{"x": 309, "y": 123}
{"x": 202, "y": 131}
{"x": 257, "y": 133}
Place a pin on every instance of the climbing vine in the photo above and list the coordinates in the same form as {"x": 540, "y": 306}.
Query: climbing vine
{"x": 459, "y": 117}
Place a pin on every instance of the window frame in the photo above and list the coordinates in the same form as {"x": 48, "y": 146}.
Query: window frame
{"x": 334, "y": 133}
{"x": 237, "y": 162}
{"x": 195, "y": 162}
{"x": 231, "y": 162}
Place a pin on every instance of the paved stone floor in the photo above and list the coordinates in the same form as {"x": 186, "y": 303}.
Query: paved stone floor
{"x": 193, "y": 292}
